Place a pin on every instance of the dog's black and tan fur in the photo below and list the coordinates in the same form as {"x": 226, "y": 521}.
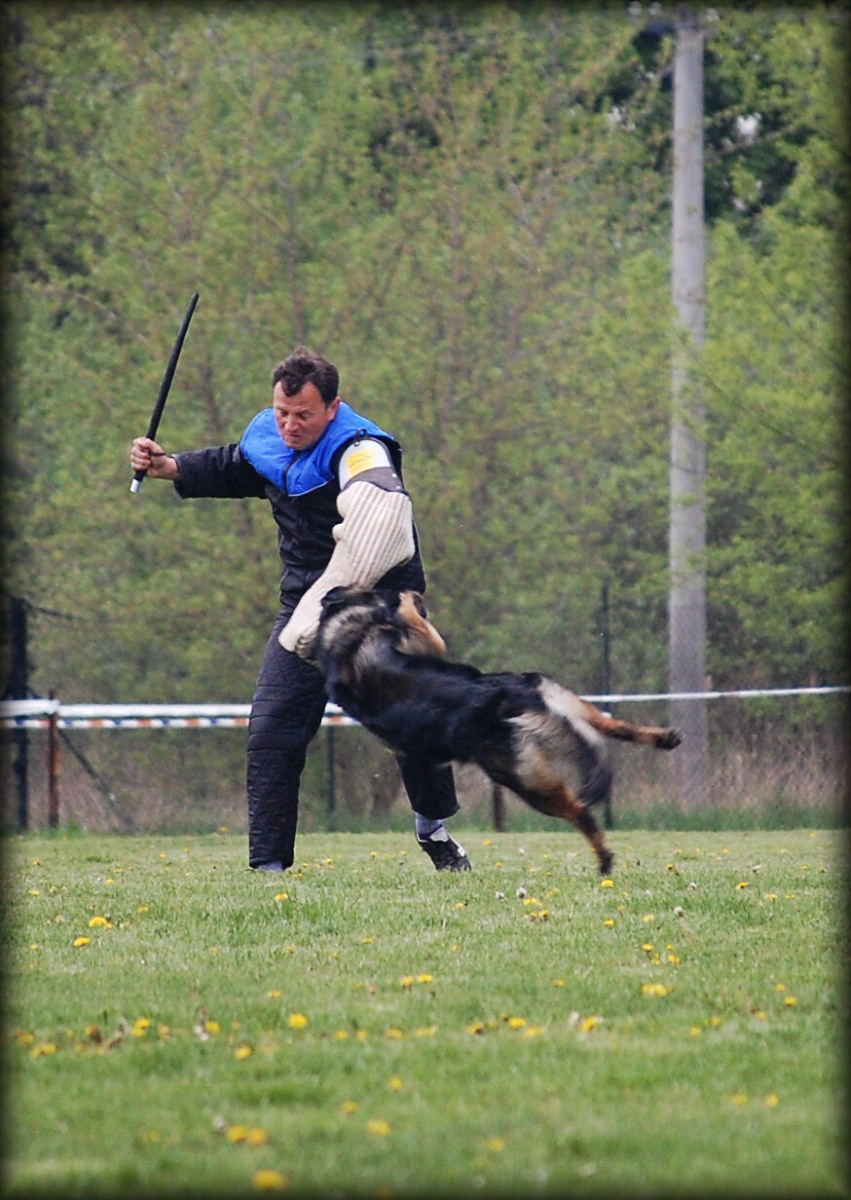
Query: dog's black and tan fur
{"x": 383, "y": 663}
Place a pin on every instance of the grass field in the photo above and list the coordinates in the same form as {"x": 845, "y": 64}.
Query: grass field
{"x": 365, "y": 1026}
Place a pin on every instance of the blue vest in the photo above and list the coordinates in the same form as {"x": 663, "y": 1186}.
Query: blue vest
{"x": 297, "y": 472}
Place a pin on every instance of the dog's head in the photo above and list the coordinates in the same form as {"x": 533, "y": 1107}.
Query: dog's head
{"x": 404, "y": 616}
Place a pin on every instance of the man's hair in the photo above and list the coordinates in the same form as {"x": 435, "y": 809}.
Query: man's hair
{"x": 304, "y": 366}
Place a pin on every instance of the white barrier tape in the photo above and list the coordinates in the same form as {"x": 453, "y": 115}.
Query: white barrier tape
{"x": 36, "y": 714}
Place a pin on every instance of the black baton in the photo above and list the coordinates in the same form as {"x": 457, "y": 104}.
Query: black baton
{"x": 164, "y": 389}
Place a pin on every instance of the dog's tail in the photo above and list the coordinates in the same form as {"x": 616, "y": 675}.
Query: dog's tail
{"x": 625, "y": 731}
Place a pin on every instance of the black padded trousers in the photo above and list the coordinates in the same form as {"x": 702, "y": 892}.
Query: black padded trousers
{"x": 286, "y": 714}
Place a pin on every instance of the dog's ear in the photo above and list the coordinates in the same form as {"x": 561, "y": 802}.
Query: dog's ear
{"x": 336, "y": 599}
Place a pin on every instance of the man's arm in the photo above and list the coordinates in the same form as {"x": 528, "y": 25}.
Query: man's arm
{"x": 376, "y": 534}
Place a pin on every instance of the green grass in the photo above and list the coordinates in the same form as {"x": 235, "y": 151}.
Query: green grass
{"x": 501, "y": 1051}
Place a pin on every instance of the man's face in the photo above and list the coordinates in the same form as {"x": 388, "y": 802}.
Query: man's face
{"x": 303, "y": 418}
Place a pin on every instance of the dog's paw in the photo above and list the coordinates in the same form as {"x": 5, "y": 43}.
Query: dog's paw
{"x": 670, "y": 739}
{"x": 606, "y": 860}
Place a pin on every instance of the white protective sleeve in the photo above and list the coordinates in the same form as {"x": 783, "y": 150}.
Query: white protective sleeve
{"x": 376, "y": 534}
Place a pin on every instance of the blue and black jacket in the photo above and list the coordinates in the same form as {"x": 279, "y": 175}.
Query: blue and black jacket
{"x": 302, "y": 488}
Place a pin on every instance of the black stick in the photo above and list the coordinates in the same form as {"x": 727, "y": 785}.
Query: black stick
{"x": 166, "y": 384}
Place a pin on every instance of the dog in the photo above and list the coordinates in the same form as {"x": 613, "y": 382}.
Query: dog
{"x": 385, "y": 665}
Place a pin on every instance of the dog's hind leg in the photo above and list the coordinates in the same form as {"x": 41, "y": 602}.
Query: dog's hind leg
{"x": 559, "y": 801}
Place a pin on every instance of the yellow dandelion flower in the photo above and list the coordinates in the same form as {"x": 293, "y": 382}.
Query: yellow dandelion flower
{"x": 143, "y": 908}
{"x": 270, "y": 1181}
{"x": 647, "y": 947}
{"x": 282, "y": 895}
{"x": 741, "y": 885}
{"x": 33, "y": 892}
{"x": 394, "y": 1083}
{"x": 425, "y": 978}
{"x": 648, "y": 917}
{"x": 378, "y": 1127}
{"x": 714, "y": 1022}
{"x": 367, "y": 941}
{"x": 695, "y": 1030}
{"x": 789, "y": 1001}
{"x": 236, "y": 1133}
{"x": 560, "y": 982}
{"x": 607, "y": 883}
{"x": 654, "y": 989}
{"x": 426, "y": 1031}
{"x": 98, "y": 923}
{"x": 82, "y": 941}
{"x": 495, "y": 1144}
{"x": 476, "y": 1027}
{"x": 42, "y": 1050}
{"x": 588, "y": 1024}
{"x": 517, "y": 1022}
{"x": 361, "y": 1035}
{"x": 340, "y": 1035}
{"x": 242, "y": 1052}
{"x": 772, "y": 1100}
{"x": 274, "y": 994}
{"x": 739, "y": 1098}
{"x": 533, "y": 1031}
{"x": 394, "y": 1032}
{"x": 406, "y": 981}
{"x": 212, "y": 1027}
{"x": 780, "y": 987}
{"x": 609, "y": 923}
{"x": 297, "y": 1021}
{"x": 256, "y": 1137}
{"x": 348, "y": 1107}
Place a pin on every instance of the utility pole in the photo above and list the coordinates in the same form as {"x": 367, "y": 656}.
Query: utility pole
{"x": 687, "y": 530}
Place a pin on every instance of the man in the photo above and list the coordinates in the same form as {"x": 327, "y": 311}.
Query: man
{"x": 316, "y": 461}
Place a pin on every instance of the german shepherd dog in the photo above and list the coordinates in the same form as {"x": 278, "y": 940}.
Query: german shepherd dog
{"x": 384, "y": 665}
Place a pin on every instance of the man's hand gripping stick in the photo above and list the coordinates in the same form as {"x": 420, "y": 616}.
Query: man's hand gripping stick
{"x": 165, "y": 386}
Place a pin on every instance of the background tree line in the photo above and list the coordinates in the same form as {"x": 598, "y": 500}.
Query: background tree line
{"x": 467, "y": 208}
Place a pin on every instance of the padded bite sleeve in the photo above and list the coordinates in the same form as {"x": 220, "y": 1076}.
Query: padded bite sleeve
{"x": 376, "y": 534}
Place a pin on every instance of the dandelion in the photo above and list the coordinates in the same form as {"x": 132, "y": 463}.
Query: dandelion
{"x": 270, "y": 1181}
{"x": 394, "y": 1083}
{"x": 394, "y": 1032}
{"x": 282, "y": 895}
{"x": 695, "y": 1030}
{"x": 425, "y": 978}
{"x": 82, "y": 941}
{"x": 647, "y": 947}
{"x": 274, "y": 994}
{"x": 140, "y": 1027}
{"x": 647, "y": 918}
{"x": 256, "y": 1137}
{"x": 378, "y": 1127}
{"x": 609, "y": 923}
{"x": 780, "y": 987}
{"x": 340, "y": 1035}
{"x": 242, "y": 1052}
{"x": 213, "y": 1027}
{"x": 516, "y": 1022}
{"x": 533, "y": 1031}
{"x": 739, "y": 1099}
{"x": 714, "y": 1022}
{"x": 235, "y": 1134}
{"x": 789, "y": 1001}
{"x": 476, "y": 1027}
{"x": 495, "y": 1144}
{"x": 654, "y": 989}
{"x": 741, "y": 885}
{"x": 143, "y": 908}
{"x": 606, "y": 883}
{"x": 42, "y": 1050}
{"x": 406, "y": 981}
{"x": 33, "y": 892}
{"x": 560, "y": 982}
{"x": 297, "y": 1021}
{"x": 99, "y": 923}
{"x": 425, "y": 1031}
{"x": 348, "y": 1107}
{"x": 772, "y": 1100}
{"x": 588, "y": 1024}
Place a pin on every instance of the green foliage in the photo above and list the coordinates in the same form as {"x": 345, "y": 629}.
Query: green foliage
{"x": 467, "y": 209}
{"x": 520, "y": 1029}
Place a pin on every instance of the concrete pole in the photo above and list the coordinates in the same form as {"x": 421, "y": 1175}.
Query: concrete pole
{"x": 687, "y": 534}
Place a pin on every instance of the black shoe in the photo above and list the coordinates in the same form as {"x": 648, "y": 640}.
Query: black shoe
{"x": 445, "y": 852}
